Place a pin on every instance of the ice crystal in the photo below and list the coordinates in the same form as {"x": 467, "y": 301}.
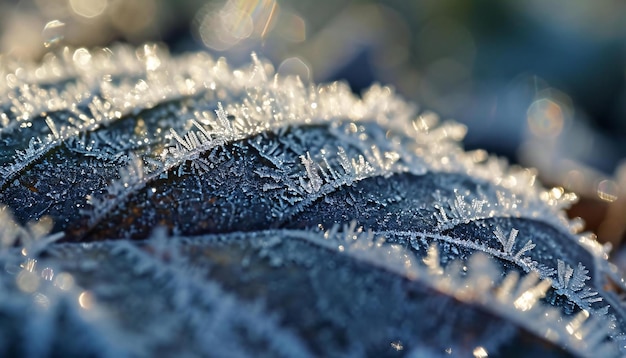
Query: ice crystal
{"x": 174, "y": 206}
{"x": 508, "y": 242}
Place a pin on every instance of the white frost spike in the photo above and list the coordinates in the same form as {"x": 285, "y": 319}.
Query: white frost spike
{"x": 222, "y": 118}
{"x": 580, "y": 276}
{"x": 569, "y": 278}
{"x": 507, "y": 242}
{"x": 529, "y": 245}
{"x": 180, "y": 140}
{"x": 344, "y": 161}
{"x": 462, "y": 209}
{"x": 53, "y": 127}
{"x": 315, "y": 182}
{"x": 193, "y": 140}
{"x": 564, "y": 273}
{"x": 202, "y": 133}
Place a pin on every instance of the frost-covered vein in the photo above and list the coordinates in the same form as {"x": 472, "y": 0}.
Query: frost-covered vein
{"x": 568, "y": 281}
{"x": 512, "y": 298}
{"x": 321, "y": 178}
{"x": 477, "y": 206}
{"x": 516, "y": 258}
{"x": 101, "y": 114}
{"x": 330, "y": 187}
{"x": 186, "y": 148}
{"x": 375, "y": 248}
{"x": 116, "y": 101}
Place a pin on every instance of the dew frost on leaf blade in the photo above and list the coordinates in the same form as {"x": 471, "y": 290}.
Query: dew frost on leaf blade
{"x": 175, "y": 205}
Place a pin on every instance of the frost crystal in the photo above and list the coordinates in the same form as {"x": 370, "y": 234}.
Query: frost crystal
{"x": 210, "y": 211}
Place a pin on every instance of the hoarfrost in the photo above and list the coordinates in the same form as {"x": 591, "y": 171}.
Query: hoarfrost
{"x": 230, "y": 165}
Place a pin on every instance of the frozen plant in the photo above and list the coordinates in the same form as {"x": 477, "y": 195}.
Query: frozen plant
{"x": 174, "y": 206}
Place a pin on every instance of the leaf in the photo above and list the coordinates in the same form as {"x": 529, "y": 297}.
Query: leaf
{"x": 210, "y": 211}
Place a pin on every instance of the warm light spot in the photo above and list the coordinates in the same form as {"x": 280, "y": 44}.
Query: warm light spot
{"x": 557, "y": 192}
{"x": 525, "y": 301}
{"x": 151, "y": 58}
{"x": 82, "y": 57}
{"x": 608, "y": 190}
{"x": 223, "y": 27}
{"x": 479, "y": 155}
{"x": 64, "y": 281}
{"x": 573, "y": 327}
{"x": 27, "y": 281}
{"x": 88, "y": 8}
{"x": 425, "y": 121}
{"x": 397, "y": 345}
{"x": 29, "y": 265}
{"x": 480, "y": 352}
{"x": 545, "y": 118}
{"x": 85, "y": 300}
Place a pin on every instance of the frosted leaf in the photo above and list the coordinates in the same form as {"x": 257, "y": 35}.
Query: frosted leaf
{"x": 212, "y": 211}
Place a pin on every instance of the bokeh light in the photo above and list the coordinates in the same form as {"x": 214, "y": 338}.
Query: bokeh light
{"x": 88, "y": 8}
{"x": 222, "y": 26}
{"x": 545, "y": 118}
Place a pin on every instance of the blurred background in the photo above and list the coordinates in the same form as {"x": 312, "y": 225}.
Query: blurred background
{"x": 542, "y": 82}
